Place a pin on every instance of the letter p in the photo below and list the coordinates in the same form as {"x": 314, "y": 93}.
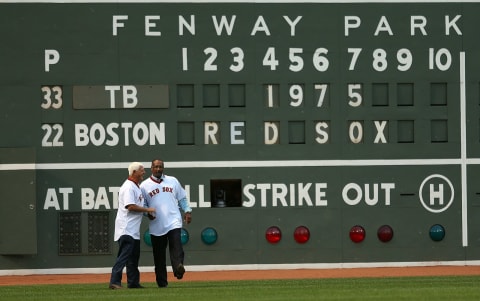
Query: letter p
{"x": 52, "y": 57}
{"x": 351, "y": 22}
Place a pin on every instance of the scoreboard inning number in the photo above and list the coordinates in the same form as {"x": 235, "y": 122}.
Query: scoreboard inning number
{"x": 440, "y": 59}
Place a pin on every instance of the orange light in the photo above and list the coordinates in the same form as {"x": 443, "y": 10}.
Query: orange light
{"x": 273, "y": 235}
{"x": 301, "y": 234}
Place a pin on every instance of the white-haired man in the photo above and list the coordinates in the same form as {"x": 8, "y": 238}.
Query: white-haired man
{"x": 127, "y": 228}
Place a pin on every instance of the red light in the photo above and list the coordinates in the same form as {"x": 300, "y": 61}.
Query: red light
{"x": 357, "y": 234}
{"x": 273, "y": 234}
{"x": 301, "y": 234}
{"x": 385, "y": 233}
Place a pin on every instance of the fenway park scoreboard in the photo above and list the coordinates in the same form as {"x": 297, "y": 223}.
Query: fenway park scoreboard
{"x": 304, "y": 133}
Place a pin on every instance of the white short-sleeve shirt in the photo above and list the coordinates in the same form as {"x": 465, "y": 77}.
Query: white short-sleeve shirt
{"x": 128, "y": 222}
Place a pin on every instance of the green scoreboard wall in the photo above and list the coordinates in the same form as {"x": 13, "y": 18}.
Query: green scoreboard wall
{"x": 319, "y": 133}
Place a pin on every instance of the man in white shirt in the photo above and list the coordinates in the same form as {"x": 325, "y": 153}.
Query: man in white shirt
{"x": 127, "y": 228}
{"x": 167, "y": 196}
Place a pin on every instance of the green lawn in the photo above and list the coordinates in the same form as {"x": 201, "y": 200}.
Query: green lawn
{"x": 404, "y": 288}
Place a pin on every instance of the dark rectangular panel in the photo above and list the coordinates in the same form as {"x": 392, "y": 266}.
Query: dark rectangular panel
{"x": 18, "y": 218}
{"x": 120, "y": 97}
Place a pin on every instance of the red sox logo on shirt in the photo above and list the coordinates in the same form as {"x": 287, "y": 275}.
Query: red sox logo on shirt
{"x": 157, "y": 190}
{"x": 154, "y": 192}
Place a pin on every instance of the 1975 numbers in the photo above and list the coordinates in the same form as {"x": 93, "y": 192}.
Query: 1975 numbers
{"x": 401, "y": 60}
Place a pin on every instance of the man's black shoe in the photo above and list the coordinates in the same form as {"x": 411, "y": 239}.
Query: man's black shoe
{"x": 180, "y": 271}
{"x": 137, "y": 286}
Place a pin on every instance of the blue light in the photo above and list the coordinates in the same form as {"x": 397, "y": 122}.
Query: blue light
{"x": 184, "y": 236}
{"x": 209, "y": 236}
{"x": 437, "y": 232}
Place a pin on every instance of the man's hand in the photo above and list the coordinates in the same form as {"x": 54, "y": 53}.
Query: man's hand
{"x": 151, "y": 213}
{"x": 188, "y": 217}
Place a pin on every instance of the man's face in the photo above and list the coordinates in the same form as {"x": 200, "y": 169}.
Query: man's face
{"x": 138, "y": 174}
{"x": 157, "y": 168}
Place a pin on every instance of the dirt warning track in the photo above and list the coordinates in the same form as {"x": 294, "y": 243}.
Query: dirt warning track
{"x": 252, "y": 275}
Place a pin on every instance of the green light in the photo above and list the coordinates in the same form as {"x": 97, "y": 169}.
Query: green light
{"x": 437, "y": 232}
{"x": 184, "y": 236}
{"x": 147, "y": 238}
{"x": 209, "y": 236}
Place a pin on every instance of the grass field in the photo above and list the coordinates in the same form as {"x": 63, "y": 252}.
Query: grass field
{"x": 403, "y": 288}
